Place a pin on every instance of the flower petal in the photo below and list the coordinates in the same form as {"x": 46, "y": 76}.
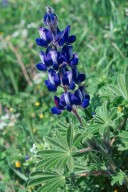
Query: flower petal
{"x": 66, "y": 33}
{"x": 72, "y": 86}
{"x": 45, "y": 34}
{"x": 74, "y": 100}
{"x": 69, "y": 108}
{"x": 50, "y": 86}
{"x": 41, "y": 67}
{"x": 81, "y": 78}
{"x": 74, "y": 73}
{"x": 74, "y": 60}
{"x": 41, "y": 42}
{"x": 56, "y": 101}
{"x": 85, "y": 103}
{"x": 57, "y": 80}
{"x": 56, "y": 111}
{"x": 62, "y": 100}
{"x": 71, "y": 39}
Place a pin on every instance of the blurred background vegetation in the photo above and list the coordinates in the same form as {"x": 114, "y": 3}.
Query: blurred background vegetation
{"x": 101, "y": 27}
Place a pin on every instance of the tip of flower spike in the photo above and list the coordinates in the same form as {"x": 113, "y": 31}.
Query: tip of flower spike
{"x": 49, "y": 9}
{"x": 50, "y": 19}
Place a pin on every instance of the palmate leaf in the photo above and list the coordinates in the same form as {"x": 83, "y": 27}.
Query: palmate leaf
{"x": 122, "y": 85}
{"x": 123, "y": 135}
{"x": 81, "y": 165}
{"x": 60, "y": 155}
{"x": 50, "y": 181}
{"x": 62, "y": 140}
{"x": 77, "y": 139}
{"x": 56, "y": 144}
{"x": 90, "y": 131}
{"x": 119, "y": 178}
{"x": 53, "y": 185}
{"x": 59, "y": 158}
{"x": 105, "y": 116}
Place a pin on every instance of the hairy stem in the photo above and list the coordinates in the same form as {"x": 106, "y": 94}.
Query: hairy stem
{"x": 84, "y": 150}
{"x": 96, "y": 173}
{"x": 77, "y": 116}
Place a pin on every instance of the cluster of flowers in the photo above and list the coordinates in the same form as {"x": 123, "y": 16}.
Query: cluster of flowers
{"x": 61, "y": 62}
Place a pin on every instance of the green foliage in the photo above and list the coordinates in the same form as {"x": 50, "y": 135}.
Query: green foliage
{"x": 119, "y": 178}
{"x": 77, "y": 151}
{"x": 122, "y": 88}
{"x": 69, "y": 157}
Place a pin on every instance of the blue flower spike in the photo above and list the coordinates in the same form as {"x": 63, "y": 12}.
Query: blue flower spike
{"x": 60, "y": 62}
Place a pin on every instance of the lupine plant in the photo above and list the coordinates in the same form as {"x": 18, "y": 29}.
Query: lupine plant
{"x": 76, "y": 153}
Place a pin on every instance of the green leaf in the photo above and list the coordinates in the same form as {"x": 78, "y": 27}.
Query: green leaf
{"x": 70, "y": 164}
{"x": 112, "y": 113}
{"x": 70, "y": 136}
{"x": 39, "y": 173}
{"x": 53, "y": 185}
{"x": 77, "y": 139}
{"x": 104, "y": 115}
{"x": 102, "y": 129}
{"x": 123, "y": 134}
{"x": 63, "y": 124}
{"x": 41, "y": 163}
{"x": 114, "y": 89}
{"x": 22, "y": 176}
{"x": 55, "y": 143}
{"x": 51, "y": 162}
{"x": 62, "y": 140}
{"x": 47, "y": 163}
{"x": 62, "y": 162}
{"x": 46, "y": 153}
{"x": 126, "y": 79}
{"x": 38, "y": 181}
{"x": 122, "y": 86}
{"x": 119, "y": 178}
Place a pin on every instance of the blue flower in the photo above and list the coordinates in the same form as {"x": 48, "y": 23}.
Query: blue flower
{"x": 69, "y": 57}
{"x": 64, "y": 38}
{"x": 76, "y": 76}
{"x": 69, "y": 100}
{"x": 67, "y": 79}
{"x": 54, "y": 81}
{"x": 45, "y": 37}
{"x": 57, "y": 110}
{"x": 66, "y": 101}
{"x": 42, "y": 66}
{"x": 53, "y": 58}
{"x": 82, "y": 98}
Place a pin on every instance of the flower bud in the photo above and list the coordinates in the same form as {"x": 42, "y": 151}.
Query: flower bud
{"x": 50, "y": 19}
